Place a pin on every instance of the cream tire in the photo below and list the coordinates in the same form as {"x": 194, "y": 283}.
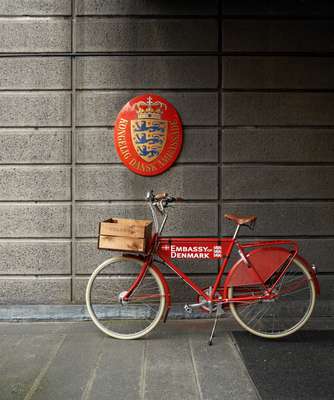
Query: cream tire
{"x": 134, "y": 335}
{"x": 294, "y": 328}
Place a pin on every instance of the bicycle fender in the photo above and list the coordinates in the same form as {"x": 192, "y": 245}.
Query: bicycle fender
{"x": 265, "y": 260}
{"x": 163, "y": 280}
{"x": 311, "y": 271}
{"x": 167, "y": 291}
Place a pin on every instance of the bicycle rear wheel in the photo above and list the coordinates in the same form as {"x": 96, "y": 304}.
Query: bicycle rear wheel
{"x": 130, "y": 319}
{"x": 284, "y": 314}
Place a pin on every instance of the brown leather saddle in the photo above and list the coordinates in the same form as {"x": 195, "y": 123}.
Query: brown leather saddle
{"x": 241, "y": 220}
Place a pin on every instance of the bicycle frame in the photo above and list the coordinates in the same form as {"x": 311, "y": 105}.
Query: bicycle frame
{"x": 160, "y": 244}
{"x": 216, "y": 285}
{"x": 273, "y": 255}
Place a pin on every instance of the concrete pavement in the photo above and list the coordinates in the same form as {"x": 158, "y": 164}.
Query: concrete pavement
{"x": 74, "y": 361}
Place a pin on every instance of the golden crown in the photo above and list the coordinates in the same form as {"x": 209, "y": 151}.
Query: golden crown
{"x": 149, "y": 109}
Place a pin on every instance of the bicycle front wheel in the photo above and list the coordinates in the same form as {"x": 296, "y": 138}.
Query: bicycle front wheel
{"x": 282, "y": 315}
{"x": 130, "y": 319}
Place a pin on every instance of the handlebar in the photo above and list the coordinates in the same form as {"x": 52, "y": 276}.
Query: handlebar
{"x": 160, "y": 202}
{"x": 162, "y": 197}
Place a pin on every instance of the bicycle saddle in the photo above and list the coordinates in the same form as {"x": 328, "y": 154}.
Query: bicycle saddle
{"x": 241, "y": 220}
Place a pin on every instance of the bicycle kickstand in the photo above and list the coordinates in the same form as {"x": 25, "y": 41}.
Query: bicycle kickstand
{"x": 219, "y": 312}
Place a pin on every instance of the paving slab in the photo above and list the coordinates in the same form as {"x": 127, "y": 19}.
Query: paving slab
{"x": 220, "y": 370}
{"x": 75, "y": 361}
{"x": 118, "y": 373}
{"x": 67, "y": 374}
{"x": 169, "y": 370}
{"x": 8, "y": 344}
{"x": 23, "y": 362}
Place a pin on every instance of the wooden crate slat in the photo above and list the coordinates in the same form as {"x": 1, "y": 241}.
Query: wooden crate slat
{"x": 121, "y": 243}
{"x": 125, "y": 234}
{"x": 125, "y": 228}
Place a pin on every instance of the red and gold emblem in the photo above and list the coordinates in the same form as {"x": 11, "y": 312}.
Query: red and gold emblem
{"x": 148, "y": 135}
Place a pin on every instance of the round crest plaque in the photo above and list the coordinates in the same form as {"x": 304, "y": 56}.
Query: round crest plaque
{"x": 148, "y": 134}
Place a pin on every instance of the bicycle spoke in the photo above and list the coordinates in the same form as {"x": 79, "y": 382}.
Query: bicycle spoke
{"x": 285, "y": 312}
{"x": 260, "y": 314}
{"x": 294, "y": 292}
{"x": 133, "y": 316}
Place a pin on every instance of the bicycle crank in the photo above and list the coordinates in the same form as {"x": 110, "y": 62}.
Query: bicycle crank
{"x": 206, "y": 306}
{"x": 189, "y": 307}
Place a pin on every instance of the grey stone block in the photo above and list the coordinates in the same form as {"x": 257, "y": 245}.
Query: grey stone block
{"x": 129, "y": 355}
{"x": 42, "y": 312}
{"x": 196, "y": 72}
{"x": 278, "y": 145}
{"x": 278, "y": 109}
{"x": 36, "y": 7}
{"x": 35, "y": 73}
{"x": 325, "y": 302}
{"x": 228, "y": 359}
{"x": 35, "y": 109}
{"x": 277, "y": 8}
{"x": 101, "y": 108}
{"x": 23, "y": 362}
{"x": 35, "y": 183}
{"x": 78, "y": 354}
{"x": 35, "y": 220}
{"x": 144, "y": 7}
{"x": 118, "y": 183}
{"x": 96, "y": 145}
{"x": 35, "y": 35}
{"x": 180, "y": 381}
{"x": 277, "y": 182}
{"x": 199, "y": 145}
{"x": 35, "y": 257}
{"x": 326, "y": 288}
{"x": 35, "y": 290}
{"x": 88, "y": 257}
{"x": 240, "y": 72}
{"x": 244, "y": 35}
{"x": 35, "y": 146}
{"x": 318, "y": 252}
{"x": 184, "y": 219}
{"x": 180, "y": 291}
{"x": 283, "y": 218}
{"x": 120, "y": 34}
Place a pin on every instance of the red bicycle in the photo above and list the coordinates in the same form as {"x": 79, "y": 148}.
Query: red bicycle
{"x": 271, "y": 290}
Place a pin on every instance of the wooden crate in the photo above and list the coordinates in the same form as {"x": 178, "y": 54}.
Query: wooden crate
{"x": 125, "y": 234}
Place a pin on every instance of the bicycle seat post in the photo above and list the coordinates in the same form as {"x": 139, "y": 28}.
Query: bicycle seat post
{"x": 236, "y": 231}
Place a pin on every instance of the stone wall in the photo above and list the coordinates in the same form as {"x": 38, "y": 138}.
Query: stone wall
{"x": 253, "y": 85}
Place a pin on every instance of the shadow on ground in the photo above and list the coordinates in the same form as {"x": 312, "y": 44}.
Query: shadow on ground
{"x": 297, "y": 367}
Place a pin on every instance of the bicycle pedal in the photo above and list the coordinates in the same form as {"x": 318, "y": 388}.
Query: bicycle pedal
{"x": 188, "y": 309}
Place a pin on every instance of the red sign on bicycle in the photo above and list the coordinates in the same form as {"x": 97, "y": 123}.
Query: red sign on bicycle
{"x": 148, "y": 135}
{"x": 207, "y": 251}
